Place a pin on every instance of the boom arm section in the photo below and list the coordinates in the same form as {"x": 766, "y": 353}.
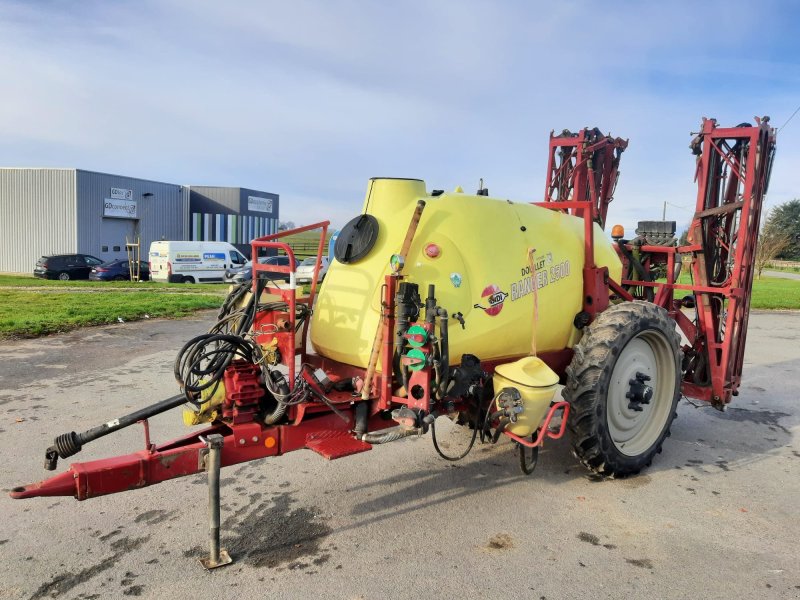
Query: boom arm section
{"x": 732, "y": 174}
{"x": 733, "y": 170}
{"x": 584, "y": 166}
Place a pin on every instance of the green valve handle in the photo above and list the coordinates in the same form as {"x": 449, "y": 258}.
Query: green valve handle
{"x": 416, "y": 336}
{"x": 415, "y": 359}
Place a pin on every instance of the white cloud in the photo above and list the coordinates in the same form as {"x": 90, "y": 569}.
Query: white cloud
{"x": 310, "y": 99}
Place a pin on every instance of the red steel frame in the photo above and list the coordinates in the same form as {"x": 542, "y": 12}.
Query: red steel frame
{"x": 583, "y": 167}
{"x": 287, "y": 340}
{"x": 582, "y": 174}
{"x": 731, "y": 187}
{"x": 733, "y": 169}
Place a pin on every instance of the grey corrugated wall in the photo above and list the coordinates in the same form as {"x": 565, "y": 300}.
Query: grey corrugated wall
{"x": 37, "y": 216}
{"x": 160, "y": 215}
{"x": 214, "y": 199}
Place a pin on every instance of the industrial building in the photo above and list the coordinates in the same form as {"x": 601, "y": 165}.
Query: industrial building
{"x": 59, "y": 211}
{"x": 234, "y": 215}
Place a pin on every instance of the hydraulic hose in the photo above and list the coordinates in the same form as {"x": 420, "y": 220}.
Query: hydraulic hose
{"x": 407, "y": 302}
{"x": 445, "y": 352}
{"x": 387, "y": 435}
{"x": 362, "y": 413}
{"x": 280, "y": 408}
{"x": 501, "y": 426}
{"x": 632, "y": 261}
{"x": 464, "y": 453}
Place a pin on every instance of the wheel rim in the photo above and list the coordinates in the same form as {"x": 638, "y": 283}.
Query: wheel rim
{"x": 63, "y": 277}
{"x": 650, "y": 354}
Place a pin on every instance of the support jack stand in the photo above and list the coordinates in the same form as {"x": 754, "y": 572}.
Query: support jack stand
{"x": 218, "y": 557}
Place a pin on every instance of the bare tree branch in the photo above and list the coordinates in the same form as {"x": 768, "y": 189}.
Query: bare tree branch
{"x": 771, "y": 243}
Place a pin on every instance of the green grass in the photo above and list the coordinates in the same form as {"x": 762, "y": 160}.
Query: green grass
{"x": 67, "y": 305}
{"x": 31, "y": 281}
{"x": 305, "y": 244}
{"x": 775, "y": 293}
{"x": 25, "y": 313}
{"x": 769, "y": 293}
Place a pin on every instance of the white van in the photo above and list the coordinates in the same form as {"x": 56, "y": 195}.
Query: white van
{"x": 192, "y": 262}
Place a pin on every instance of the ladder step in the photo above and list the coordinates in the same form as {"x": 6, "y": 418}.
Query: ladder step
{"x": 335, "y": 444}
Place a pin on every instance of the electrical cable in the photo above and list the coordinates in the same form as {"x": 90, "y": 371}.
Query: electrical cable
{"x": 796, "y": 110}
{"x": 465, "y": 452}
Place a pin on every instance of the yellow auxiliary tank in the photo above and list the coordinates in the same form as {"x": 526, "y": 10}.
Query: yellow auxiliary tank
{"x": 482, "y": 271}
{"x": 536, "y": 383}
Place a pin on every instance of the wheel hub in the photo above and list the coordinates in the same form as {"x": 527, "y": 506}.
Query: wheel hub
{"x": 639, "y": 392}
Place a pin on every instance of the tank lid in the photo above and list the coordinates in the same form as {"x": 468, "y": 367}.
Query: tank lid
{"x": 356, "y": 239}
{"x": 530, "y": 371}
{"x": 396, "y": 179}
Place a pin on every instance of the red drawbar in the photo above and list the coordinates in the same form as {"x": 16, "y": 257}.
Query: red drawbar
{"x": 181, "y": 457}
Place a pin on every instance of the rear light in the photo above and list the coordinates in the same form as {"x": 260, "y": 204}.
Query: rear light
{"x": 169, "y": 269}
{"x": 149, "y": 266}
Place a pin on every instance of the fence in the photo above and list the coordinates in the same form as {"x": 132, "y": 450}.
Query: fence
{"x": 784, "y": 264}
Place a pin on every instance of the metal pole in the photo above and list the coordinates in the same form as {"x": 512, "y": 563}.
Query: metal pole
{"x": 218, "y": 557}
{"x": 69, "y": 444}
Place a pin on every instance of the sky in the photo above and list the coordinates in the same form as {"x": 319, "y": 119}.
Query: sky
{"x": 309, "y": 99}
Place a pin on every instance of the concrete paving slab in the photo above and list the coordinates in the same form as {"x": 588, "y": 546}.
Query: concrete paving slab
{"x": 716, "y": 516}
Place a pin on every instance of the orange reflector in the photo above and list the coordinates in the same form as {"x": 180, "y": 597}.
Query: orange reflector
{"x": 270, "y": 442}
{"x": 432, "y": 251}
{"x": 617, "y": 231}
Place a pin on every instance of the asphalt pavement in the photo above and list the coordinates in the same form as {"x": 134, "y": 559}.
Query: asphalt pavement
{"x": 716, "y": 516}
{"x": 782, "y": 274}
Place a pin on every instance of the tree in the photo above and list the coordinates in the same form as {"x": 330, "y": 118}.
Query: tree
{"x": 771, "y": 243}
{"x": 786, "y": 219}
{"x": 284, "y": 226}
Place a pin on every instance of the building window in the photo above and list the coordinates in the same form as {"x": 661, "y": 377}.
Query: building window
{"x": 116, "y": 249}
{"x": 104, "y": 249}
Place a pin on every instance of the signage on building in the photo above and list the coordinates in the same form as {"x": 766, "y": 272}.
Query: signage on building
{"x": 121, "y": 194}
{"x": 256, "y": 204}
{"x": 120, "y": 209}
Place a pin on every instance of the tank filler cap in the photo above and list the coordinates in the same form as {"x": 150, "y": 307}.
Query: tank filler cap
{"x": 356, "y": 239}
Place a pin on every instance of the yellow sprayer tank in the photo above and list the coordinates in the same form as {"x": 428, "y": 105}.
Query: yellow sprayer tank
{"x": 482, "y": 271}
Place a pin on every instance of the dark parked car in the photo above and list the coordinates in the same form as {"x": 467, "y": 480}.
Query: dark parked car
{"x": 66, "y": 266}
{"x": 246, "y": 274}
{"x": 118, "y": 270}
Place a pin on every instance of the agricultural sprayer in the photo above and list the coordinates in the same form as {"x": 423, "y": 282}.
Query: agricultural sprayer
{"x": 473, "y": 308}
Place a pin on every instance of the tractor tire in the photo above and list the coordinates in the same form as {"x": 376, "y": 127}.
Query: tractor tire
{"x": 623, "y": 386}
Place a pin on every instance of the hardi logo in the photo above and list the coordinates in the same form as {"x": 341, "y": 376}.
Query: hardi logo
{"x": 495, "y": 297}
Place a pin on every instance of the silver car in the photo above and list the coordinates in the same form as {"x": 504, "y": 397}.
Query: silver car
{"x": 305, "y": 270}
{"x": 246, "y": 274}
